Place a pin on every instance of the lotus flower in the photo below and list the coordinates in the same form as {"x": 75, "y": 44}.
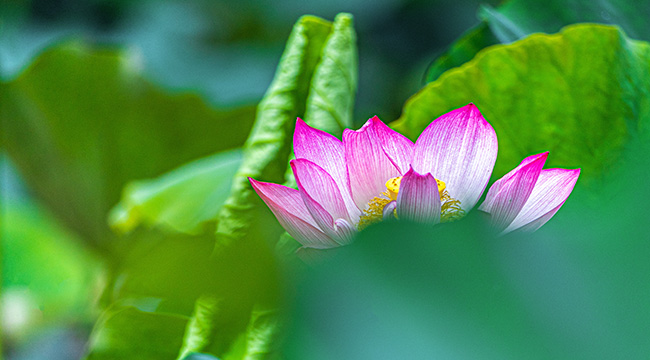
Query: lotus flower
{"x": 376, "y": 173}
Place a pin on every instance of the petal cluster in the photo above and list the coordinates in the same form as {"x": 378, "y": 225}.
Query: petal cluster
{"x": 376, "y": 172}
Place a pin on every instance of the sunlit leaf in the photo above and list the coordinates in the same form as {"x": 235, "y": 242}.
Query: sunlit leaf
{"x": 581, "y": 94}
{"x": 128, "y": 333}
{"x": 183, "y": 199}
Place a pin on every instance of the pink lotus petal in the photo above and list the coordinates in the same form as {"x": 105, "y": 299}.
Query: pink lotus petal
{"x": 397, "y": 147}
{"x": 289, "y": 208}
{"x": 345, "y": 231}
{"x": 320, "y": 194}
{"x": 418, "y": 198}
{"x": 496, "y": 187}
{"x": 536, "y": 224}
{"x": 507, "y": 196}
{"x": 551, "y": 191}
{"x": 368, "y": 166}
{"x": 458, "y": 148}
{"x": 389, "y": 210}
{"x": 327, "y": 152}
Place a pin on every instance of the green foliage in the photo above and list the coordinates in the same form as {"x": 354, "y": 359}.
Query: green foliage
{"x": 262, "y": 335}
{"x": 31, "y": 241}
{"x": 196, "y": 356}
{"x": 195, "y": 272}
{"x": 173, "y": 273}
{"x": 80, "y": 122}
{"x": 267, "y": 149}
{"x": 234, "y": 314}
{"x": 201, "y": 325}
{"x": 128, "y": 333}
{"x": 316, "y": 79}
{"x": 223, "y": 322}
{"x": 516, "y": 19}
{"x": 582, "y": 94}
{"x": 317, "y": 76}
{"x": 184, "y": 200}
{"x": 171, "y": 266}
{"x": 330, "y": 101}
{"x": 458, "y": 292}
{"x": 461, "y": 51}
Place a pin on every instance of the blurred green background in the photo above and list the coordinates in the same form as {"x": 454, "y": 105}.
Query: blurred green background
{"x": 122, "y": 123}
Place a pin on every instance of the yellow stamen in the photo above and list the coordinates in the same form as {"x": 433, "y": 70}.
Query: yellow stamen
{"x": 374, "y": 213}
{"x": 450, "y": 207}
{"x": 393, "y": 187}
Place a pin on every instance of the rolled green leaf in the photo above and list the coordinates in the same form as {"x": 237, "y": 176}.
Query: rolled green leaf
{"x": 330, "y": 102}
{"x": 201, "y": 325}
{"x": 261, "y": 334}
{"x": 316, "y": 79}
{"x": 267, "y": 149}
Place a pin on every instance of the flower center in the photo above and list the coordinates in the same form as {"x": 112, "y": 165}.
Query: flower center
{"x": 450, "y": 207}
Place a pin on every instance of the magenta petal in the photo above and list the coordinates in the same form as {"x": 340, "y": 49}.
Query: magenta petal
{"x": 345, "y": 231}
{"x": 496, "y": 187}
{"x": 289, "y": 208}
{"x": 459, "y": 148}
{"x": 398, "y": 148}
{"x": 537, "y": 223}
{"x": 507, "y": 196}
{"x": 367, "y": 164}
{"x": 549, "y": 194}
{"x": 320, "y": 194}
{"x": 418, "y": 198}
{"x": 389, "y": 210}
{"x": 327, "y": 152}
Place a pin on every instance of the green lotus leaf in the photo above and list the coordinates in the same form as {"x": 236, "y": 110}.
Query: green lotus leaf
{"x": 580, "y": 94}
